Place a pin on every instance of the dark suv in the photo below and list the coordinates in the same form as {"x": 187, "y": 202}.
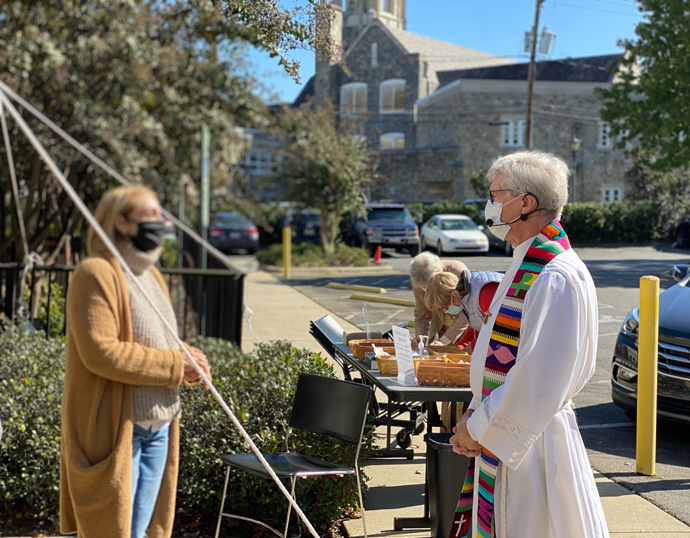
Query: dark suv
{"x": 673, "y": 385}
{"x": 387, "y": 225}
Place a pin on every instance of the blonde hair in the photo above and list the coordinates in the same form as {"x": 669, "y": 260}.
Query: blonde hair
{"x": 117, "y": 201}
{"x": 439, "y": 290}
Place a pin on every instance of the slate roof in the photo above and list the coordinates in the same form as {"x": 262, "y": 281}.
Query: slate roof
{"x": 586, "y": 69}
{"x": 444, "y": 56}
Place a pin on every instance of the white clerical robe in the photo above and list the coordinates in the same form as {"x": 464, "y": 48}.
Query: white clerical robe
{"x": 528, "y": 422}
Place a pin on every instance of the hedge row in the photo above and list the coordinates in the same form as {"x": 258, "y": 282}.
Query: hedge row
{"x": 259, "y": 389}
{"x": 626, "y": 221}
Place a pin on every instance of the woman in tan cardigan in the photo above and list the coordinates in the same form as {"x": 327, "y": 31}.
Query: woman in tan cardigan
{"x": 120, "y": 405}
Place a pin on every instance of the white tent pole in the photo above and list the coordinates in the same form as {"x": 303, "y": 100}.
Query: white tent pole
{"x": 113, "y": 250}
{"x": 113, "y": 173}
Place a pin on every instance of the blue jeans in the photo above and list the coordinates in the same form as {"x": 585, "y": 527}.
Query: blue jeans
{"x": 149, "y": 454}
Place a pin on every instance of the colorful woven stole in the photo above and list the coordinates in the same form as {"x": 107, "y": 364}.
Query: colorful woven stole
{"x": 500, "y": 358}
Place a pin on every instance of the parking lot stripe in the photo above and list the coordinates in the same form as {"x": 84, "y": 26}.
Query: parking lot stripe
{"x": 376, "y": 299}
{"x": 610, "y": 425}
{"x": 388, "y": 318}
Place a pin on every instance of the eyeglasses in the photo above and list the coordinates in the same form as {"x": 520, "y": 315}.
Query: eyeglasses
{"x": 491, "y": 193}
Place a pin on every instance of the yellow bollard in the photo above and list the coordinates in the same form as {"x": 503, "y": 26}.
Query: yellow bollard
{"x": 287, "y": 251}
{"x": 647, "y": 359}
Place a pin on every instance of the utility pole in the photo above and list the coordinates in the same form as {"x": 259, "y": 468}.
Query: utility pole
{"x": 532, "y": 73}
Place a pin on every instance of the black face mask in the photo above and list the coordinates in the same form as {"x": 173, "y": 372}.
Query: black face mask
{"x": 149, "y": 235}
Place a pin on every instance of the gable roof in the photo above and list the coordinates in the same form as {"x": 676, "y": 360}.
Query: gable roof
{"x": 444, "y": 56}
{"x": 587, "y": 69}
{"x": 440, "y": 55}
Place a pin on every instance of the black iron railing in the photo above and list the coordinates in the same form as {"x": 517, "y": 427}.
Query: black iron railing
{"x": 207, "y": 302}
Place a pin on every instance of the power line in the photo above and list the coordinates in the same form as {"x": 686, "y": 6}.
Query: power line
{"x": 598, "y": 10}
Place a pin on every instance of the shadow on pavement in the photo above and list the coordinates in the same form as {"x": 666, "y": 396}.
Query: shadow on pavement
{"x": 627, "y": 273}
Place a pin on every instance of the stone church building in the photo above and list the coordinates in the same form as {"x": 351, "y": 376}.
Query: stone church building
{"x": 438, "y": 113}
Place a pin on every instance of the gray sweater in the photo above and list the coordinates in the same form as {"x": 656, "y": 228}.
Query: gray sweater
{"x": 151, "y": 404}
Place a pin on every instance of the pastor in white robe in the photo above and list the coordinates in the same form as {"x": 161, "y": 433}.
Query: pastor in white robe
{"x": 546, "y": 488}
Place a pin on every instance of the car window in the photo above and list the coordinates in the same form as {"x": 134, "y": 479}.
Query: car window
{"x": 229, "y": 219}
{"x": 389, "y": 214}
{"x": 457, "y": 224}
{"x": 304, "y": 219}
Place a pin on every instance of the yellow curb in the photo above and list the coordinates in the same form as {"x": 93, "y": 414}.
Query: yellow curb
{"x": 355, "y": 287}
{"x": 375, "y": 299}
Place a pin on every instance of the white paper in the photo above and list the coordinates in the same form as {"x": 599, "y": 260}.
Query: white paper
{"x": 403, "y": 352}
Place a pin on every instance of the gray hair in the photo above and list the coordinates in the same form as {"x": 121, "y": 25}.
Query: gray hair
{"x": 423, "y": 267}
{"x": 543, "y": 175}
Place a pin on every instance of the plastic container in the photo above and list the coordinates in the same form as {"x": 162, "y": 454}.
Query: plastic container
{"x": 445, "y": 471}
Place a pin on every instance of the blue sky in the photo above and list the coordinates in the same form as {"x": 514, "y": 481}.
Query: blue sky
{"x": 582, "y": 28}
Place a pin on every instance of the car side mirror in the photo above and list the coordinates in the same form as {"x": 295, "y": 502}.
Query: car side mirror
{"x": 680, "y": 271}
{"x": 481, "y": 227}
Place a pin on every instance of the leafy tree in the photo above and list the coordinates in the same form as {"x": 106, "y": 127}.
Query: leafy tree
{"x": 648, "y": 103}
{"x": 279, "y": 29}
{"x": 325, "y": 167}
{"x": 133, "y": 82}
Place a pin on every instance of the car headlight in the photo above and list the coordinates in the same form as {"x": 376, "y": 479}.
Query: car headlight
{"x": 631, "y": 323}
{"x": 445, "y": 239}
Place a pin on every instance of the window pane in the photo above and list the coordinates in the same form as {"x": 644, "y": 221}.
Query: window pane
{"x": 399, "y": 98}
{"x": 386, "y": 142}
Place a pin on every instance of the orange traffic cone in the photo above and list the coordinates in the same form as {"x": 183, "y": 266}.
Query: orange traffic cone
{"x": 377, "y": 255}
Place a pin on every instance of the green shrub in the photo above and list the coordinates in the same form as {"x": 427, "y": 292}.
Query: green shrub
{"x": 258, "y": 387}
{"x": 31, "y": 376}
{"x": 444, "y": 208}
{"x": 262, "y": 388}
{"x": 310, "y": 255}
{"x": 616, "y": 222}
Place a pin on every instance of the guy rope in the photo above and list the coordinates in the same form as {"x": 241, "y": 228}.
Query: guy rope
{"x": 7, "y": 104}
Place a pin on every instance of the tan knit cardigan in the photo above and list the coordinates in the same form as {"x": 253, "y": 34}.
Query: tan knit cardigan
{"x": 103, "y": 364}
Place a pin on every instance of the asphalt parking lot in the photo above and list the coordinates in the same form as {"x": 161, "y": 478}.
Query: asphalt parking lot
{"x": 608, "y": 433}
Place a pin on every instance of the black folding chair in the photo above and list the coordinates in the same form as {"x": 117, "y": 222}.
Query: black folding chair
{"x": 322, "y": 405}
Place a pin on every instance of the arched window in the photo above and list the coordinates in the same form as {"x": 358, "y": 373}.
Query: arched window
{"x": 392, "y": 95}
{"x": 353, "y": 98}
{"x": 392, "y": 141}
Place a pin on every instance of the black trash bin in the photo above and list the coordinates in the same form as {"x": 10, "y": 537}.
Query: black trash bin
{"x": 445, "y": 471}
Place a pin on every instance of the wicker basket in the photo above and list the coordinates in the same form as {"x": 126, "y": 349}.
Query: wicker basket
{"x": 419, "y": 359}
{"x": 362, "y": 347}
{"x": 443, "y": 374}
{"x": 444, "y": 350}
{"x": 389, "y": 365}
{"x": 458, "y": 357}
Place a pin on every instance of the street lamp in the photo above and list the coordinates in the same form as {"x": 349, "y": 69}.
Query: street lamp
{"x": 574, "y": 148}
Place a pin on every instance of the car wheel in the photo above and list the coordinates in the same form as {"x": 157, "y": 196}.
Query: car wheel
{"x": 439, "y": 249}
{"x": 681, "y": 239}
{"x": 632, "y": 415}
{"x": 414, "y": 250}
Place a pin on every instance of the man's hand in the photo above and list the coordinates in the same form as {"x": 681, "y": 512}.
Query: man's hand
{"x": 190, "y": 374}
{"x": 462, "y": 442}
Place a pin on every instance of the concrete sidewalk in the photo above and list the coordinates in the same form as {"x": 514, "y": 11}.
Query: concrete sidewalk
{"x": 396, "y": 486}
